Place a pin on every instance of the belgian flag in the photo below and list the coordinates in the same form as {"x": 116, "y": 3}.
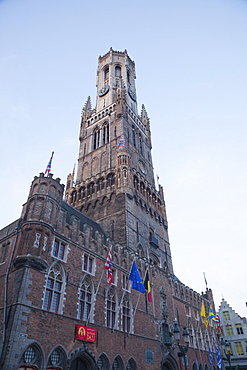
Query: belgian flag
{"x": 147, "y": 285}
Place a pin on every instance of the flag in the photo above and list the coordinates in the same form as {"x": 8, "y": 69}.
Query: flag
{"x": 197, "y": 367}
{"x": 210, "y": 358}
{"x": 218, "y": 357}
{"x": 211, "y": 314}
{"x": 203, "y": 314}
{"x": 121, "y": 143}
{"x": 108, "y": 267}
{"x": 136, "y": 279}
{"x": 147, "y": 286}
{"x": 217, "y": 321}
{"x": 48, "y": 167}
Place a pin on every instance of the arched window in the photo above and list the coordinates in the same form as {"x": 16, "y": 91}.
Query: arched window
{"x": 96, "y": 139}
{"x": 118, "y": 71}
{"x": 31, "y": 358}
{"x": 106, "y": 73}
{"x": 110, "y": 179}
{"x": 82, "y": 192}
{"x": 106, "y": 133}
{"x": 118, "y": 363}
{"x": 128, "y": 76}
{"x": 126, "y": 314}
{"x": 111, "y": 306}
{"x": 100, "y": 184}
{"x": 103, "y": 362}
{"x": 57, "y": 359}
{"x": 85, "y": 300}
{"x": 54, "y": 289}
{"x": 131, "y": 364}
{"x": 90, "y": 188}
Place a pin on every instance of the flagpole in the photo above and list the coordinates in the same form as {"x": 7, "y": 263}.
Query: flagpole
{"x": 94, "y": 297}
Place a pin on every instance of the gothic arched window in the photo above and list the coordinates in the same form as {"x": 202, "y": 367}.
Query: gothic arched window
{"x": 85, "y": 299}
{"x": 118, "y": 363}
{"x": 110, "y": 180}
{"x": 126, "y": 314}
{"x": 54, "y": 289}
{"x": 131, "y": 365}
{"x": 31, "y": 358}
{"x": 103, "y": 362}
{"x": 106, "y": 135}
{"x": 96, "y": 139}
{"x": 111, "y": 308}
{"x": 57, "y": 358}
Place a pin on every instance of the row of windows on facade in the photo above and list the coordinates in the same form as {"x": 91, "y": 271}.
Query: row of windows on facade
{"x": 230, "y": 331}
{"x": 59, "y": 250}
{"x": 186, "y": 293}
{"x": 101, "y": 136}
{"x": 32, "y": 359}
{"x": 93, "y": 187}
{"x": 55, "y": 289}
{"x": 118, "y": 73}
{"x": 238, "y": 346}
{"x": 151, "y": 197}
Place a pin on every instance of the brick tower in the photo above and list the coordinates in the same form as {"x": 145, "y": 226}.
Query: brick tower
{"x": 115, "y": 180}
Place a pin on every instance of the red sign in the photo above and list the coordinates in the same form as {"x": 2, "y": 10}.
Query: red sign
{"x": 85, "y": 333}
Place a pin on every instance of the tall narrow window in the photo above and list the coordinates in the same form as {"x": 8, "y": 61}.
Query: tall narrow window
{"x": 133, "y": 135}
{"x": 88, "y": 264}
{"x": 118, "y": 71}
{"x": 106, "y": 73}
{"x": 96, "y": 139}
{"x": 239, "y": 329}
{"x": 53, "y": 290}
{"x": 229, "y": 330}
{"x": 58, "y": 249}
{"x": 126, "y": 314}
{"x": 141, "y": 144}
{"x": 85, "y": 300}
{"x": 106, "y": 134}
{"x": 111, "y": 309}
{"x": 239, "y": 348}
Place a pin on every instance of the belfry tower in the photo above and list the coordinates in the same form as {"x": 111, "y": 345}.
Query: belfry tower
{"x": 115, "y": 183}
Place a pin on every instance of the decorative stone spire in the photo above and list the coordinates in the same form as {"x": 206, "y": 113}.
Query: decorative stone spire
{"x": 144, "y": 116}
{"x": 87, "y": 109}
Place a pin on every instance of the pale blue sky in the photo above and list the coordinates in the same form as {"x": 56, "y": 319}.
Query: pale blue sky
{"x": 191, "y": 60}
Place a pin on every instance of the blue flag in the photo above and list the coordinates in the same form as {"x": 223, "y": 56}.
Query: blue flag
{"x": 210, "y": 358}
{"x": 136, "y": 279}
{"x": 218, "y": 357}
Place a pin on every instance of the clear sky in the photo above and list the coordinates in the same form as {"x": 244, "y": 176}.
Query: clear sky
{"x": 191, "y": 64}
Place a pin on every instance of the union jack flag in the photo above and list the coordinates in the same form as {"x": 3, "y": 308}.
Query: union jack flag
{"x": 121, "y": 143}
{"x": 48, "y": 167}
{"x": 108, "y": 267}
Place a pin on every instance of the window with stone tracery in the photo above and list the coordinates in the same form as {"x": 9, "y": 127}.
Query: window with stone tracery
{"x": 54, "y": 289}
{"x": 111, "y": 308}
{"x": 85, "y": 300}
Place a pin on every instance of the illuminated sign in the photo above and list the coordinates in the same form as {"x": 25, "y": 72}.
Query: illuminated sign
{"x": 85, "y": 333}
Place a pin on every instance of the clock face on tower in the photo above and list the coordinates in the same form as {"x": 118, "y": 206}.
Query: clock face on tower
{"x": 132, "y": 94}
{"x": 104, "y": 90}
{"x": 142, "y": 167}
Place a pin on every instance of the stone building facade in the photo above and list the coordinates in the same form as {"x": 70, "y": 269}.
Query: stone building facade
{"x": 57, "y": 309}
{"x": 234, "y": 331}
